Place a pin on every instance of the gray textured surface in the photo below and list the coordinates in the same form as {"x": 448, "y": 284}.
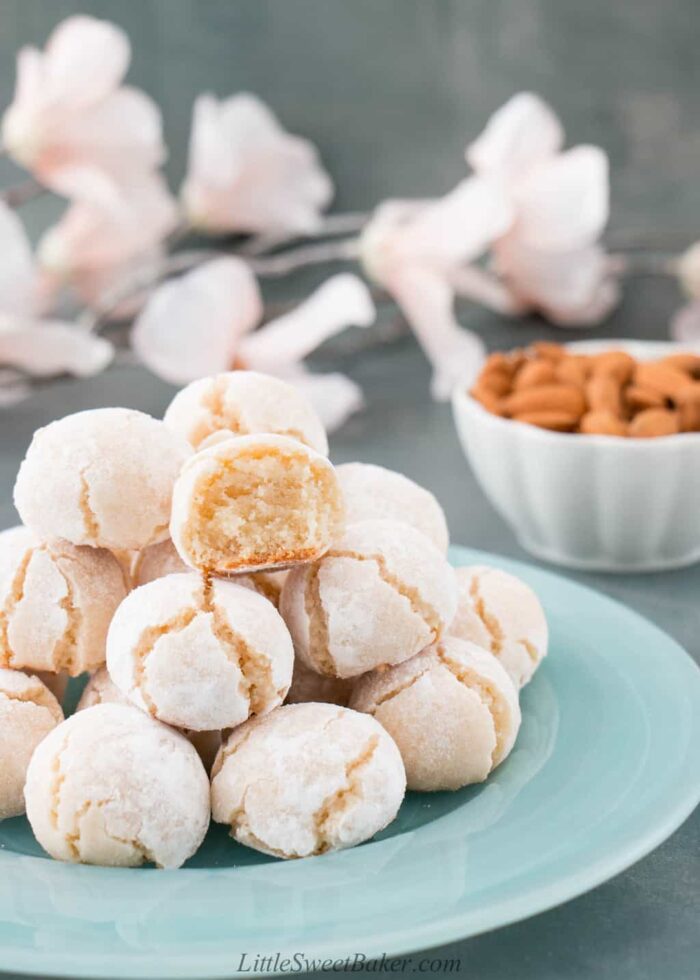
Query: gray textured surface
{"x": 390, "y": 89}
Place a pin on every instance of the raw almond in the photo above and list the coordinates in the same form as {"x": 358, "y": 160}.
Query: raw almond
{"x": 690, "y": 395}
{"x": 638, "y": 398}
{"x": 654, "y": 422}
{"x": 602, "y": 423}
{"x": 572, "y": 370}
{"x": 666, "y": 380}
{"x": 534, "y": 373}
{"x": 604, "y": 394}
{"x": 487, "y": 397}
{"x": 554, "y": 420}
{"x": 618, "y": 363}
{"x": 546, "y": 398}
{"x": 689, "y": 417}
{"x": 496, "y": 381}
{"x": 690, "y": 363}
{"x": 552, "y": 352}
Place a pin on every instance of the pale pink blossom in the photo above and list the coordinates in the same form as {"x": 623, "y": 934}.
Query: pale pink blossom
{"x": 17, "y": 278}
{"x": 204, "y": 323}
{"x": 416, "y": 250}
{"x": 97, "y": 249}
{"x": 685, "y": 324}
{"x": 72, "y": 123}
{"x": 549, "y": 257}
{"x": 247, "y": 174}
{"x": 47, "y": 347}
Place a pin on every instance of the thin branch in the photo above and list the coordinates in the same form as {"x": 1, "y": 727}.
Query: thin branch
{"x": 22, "y": 193}
{"x": 486, "y": 289}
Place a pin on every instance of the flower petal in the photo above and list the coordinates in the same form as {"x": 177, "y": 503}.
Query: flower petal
{"x": 192, "y": 327}
{"x": 456, "y": 354}
{"x": 685, "y": 325}
{"x": 521, "y": 134}
{"x": 85, "y": 59}
{"x": 247, "y": 174}
{"x": 342, "y": 301}
{"x": 17, "y": 268}
{"x": 49, "y": 348}
{"x": 564, "y": 204}
{"x": 334, "y": 396}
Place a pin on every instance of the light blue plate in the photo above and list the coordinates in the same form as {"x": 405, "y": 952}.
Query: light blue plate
{"x": 605, "y": 768}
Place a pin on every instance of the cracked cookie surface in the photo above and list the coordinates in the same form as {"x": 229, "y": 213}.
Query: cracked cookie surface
{"x": 111, "y": 786}
{"x": 199, "y": 654}
{"x": 307, "y": 779}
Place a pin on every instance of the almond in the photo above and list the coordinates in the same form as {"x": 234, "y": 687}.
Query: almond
{"x": 690, "y": 395}
{"x": 638, "y": 397}
{"x": 654, "y": 422}
{"x": 690, "y": 363}
{"x": 573, "y": 370}
{"x": 496, "y": 381}
{"x": 546, "y": 398}
{"x": 666, "y": 380}
{"x": 557, "y": 421}
{"x": 689, "y": 417}
{"x": 534, "y": 373}
{"x": 604, "y": 393}
{"x": 486, "y": 397}
{"x": 603, "y": 423}
{"x": 617, "y": 363}
{"x": 551, "y": 352}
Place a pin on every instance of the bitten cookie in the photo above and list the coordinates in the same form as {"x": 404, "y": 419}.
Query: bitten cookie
{"x": 452, "y": 711}
{"x": 112, "y": 786}
{"x": 56, "y": 603}
{"x": 307, "y": 779}
{"x": 253, "y": 503}
{"x": 28, "y": 712}
{"x": 244, "y": 403}
{"x": 199, "y": 655}
{"x": 371, "y": 492}
{"x": 102, "y": 477}
{"x": 381, "y": 594}
{"x": 501, "y": 613}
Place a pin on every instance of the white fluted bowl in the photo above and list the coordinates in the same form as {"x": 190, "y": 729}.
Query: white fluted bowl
{"x": 591, "y": 502}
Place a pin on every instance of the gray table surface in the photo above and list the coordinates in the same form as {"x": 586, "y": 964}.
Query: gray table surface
{"x": 390, "y": 89}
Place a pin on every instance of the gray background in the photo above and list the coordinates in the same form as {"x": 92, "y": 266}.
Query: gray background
{"x": 391, "y": 90}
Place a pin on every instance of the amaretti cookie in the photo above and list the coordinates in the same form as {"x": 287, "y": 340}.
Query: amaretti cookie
{"x": 101, "y": 689}
{"x": 381, "y": 593}
{"x": 374, "y": 492}
{"x": 199, "y": 654}
{"x": 503, "y": 614}
{"x": 112, "y": 786}
{"x": 102, "y": 477}
{"x": 244, "y": 403}
{"x": 28, "y": 712}
{"x": 452, "y": 711}
{"x": 56, "y": 603}
{"x": 307, "y": 685}
{"x": 307, "y": 779}
{"x": 253, "y": 503}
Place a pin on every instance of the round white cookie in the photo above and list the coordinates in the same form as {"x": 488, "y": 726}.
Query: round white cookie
{"x": 381, "y": 593}
{"x": 112, "y": 786}
{"x": 244, "y": 403}
{"x": 452, "y": 710}
{"x": 28, "y": 712}
{"x": 503, "y": 614}
{"x": 307, "y": 779}
{"x": 371, "y": 492}
{"x": 199, "y": 655}
{"x": 56, "y": 603}
{"x": 103, "y": 477}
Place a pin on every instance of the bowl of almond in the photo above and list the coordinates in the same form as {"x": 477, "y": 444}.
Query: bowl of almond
{"x": 590, "y": 451}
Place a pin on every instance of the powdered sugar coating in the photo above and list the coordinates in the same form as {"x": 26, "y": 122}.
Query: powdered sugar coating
{"x": 199, "y": 655}
{"x": 272, "y": 504}
{"x": 101, "y": 689}
{"x": 371, "y": 492}
{"x": 307, "y": 779}
{"x": 452, "y": 710}
{"x": 244, "y": 403}
{"x": 28, "y": 712}
{"x": 381, "y": 593}
{"x": 56, "y": 603}
{"x": 103, "y": 477}
{"x": 503, "y": 614}
{"x": 111, "y": 786}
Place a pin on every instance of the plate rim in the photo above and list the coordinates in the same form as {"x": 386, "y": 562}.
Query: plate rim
{"x": 420, "y": 937}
